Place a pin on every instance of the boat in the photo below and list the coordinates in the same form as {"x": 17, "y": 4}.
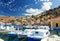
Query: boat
{"x": 37, "y": 34}
{"x": 44, "y": 27}
{"x": 6, "y": 26}
{"x": 10, "y": 34}
{"x": 40, "y": 33}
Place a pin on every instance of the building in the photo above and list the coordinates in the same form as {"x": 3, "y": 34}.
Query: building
{"x": 55, "y": 23}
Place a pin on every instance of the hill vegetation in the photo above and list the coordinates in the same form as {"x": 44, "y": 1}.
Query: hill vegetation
{"x": 37, "y": 19}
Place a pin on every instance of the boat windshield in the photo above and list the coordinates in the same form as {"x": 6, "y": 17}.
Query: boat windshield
{"x": 38, "y": 34}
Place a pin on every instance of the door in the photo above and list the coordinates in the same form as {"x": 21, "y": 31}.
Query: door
{"x": 56, "y": 24}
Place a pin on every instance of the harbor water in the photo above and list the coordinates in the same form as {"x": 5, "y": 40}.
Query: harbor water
{"x": 5, "y": 37}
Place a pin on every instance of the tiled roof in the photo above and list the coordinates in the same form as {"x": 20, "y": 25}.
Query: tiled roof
{"x": 57, "y": 18}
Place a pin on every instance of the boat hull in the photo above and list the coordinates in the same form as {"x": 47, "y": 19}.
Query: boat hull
{"x": 34, "y": 39}
{"x": 11, "y": 35}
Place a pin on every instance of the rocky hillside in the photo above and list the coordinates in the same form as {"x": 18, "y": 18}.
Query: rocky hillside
{"x": 43, "y": 17}
{"x": 9, "y": 19}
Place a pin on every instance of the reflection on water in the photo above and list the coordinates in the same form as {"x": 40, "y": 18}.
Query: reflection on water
{"x": 55, "y": 32}
{"x": 5, "y": 37}
{"x": 15, "y": 38}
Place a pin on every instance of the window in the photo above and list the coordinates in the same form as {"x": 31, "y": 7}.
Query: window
{"x": 44, "y": 27}
{"x": 47, "y": 33}
{"x": 38, "y": 34}
{"x": 41, "y": 27}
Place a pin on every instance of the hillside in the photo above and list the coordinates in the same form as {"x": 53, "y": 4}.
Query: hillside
{"x": 40, "y": 18}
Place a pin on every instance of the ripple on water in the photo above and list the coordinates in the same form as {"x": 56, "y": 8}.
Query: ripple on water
{"x": 6, "y": 38}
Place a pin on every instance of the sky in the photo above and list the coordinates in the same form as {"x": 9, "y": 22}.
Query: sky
{"x": 26, "y": 7}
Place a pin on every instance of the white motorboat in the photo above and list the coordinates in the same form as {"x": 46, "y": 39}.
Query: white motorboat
{"x": 42, "y": 33}
{"x": 8, "y": 28}
{"x": 37, "y": 34}
{"x": 44, "y": 27}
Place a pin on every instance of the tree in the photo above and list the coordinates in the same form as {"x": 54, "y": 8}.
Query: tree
{"x": 12, "y": 21}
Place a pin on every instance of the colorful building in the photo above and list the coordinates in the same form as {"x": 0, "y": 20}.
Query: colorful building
{"x": 55, "y": 23}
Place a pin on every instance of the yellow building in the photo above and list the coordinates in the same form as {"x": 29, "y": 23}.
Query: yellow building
{"x": 55, "y": 22}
